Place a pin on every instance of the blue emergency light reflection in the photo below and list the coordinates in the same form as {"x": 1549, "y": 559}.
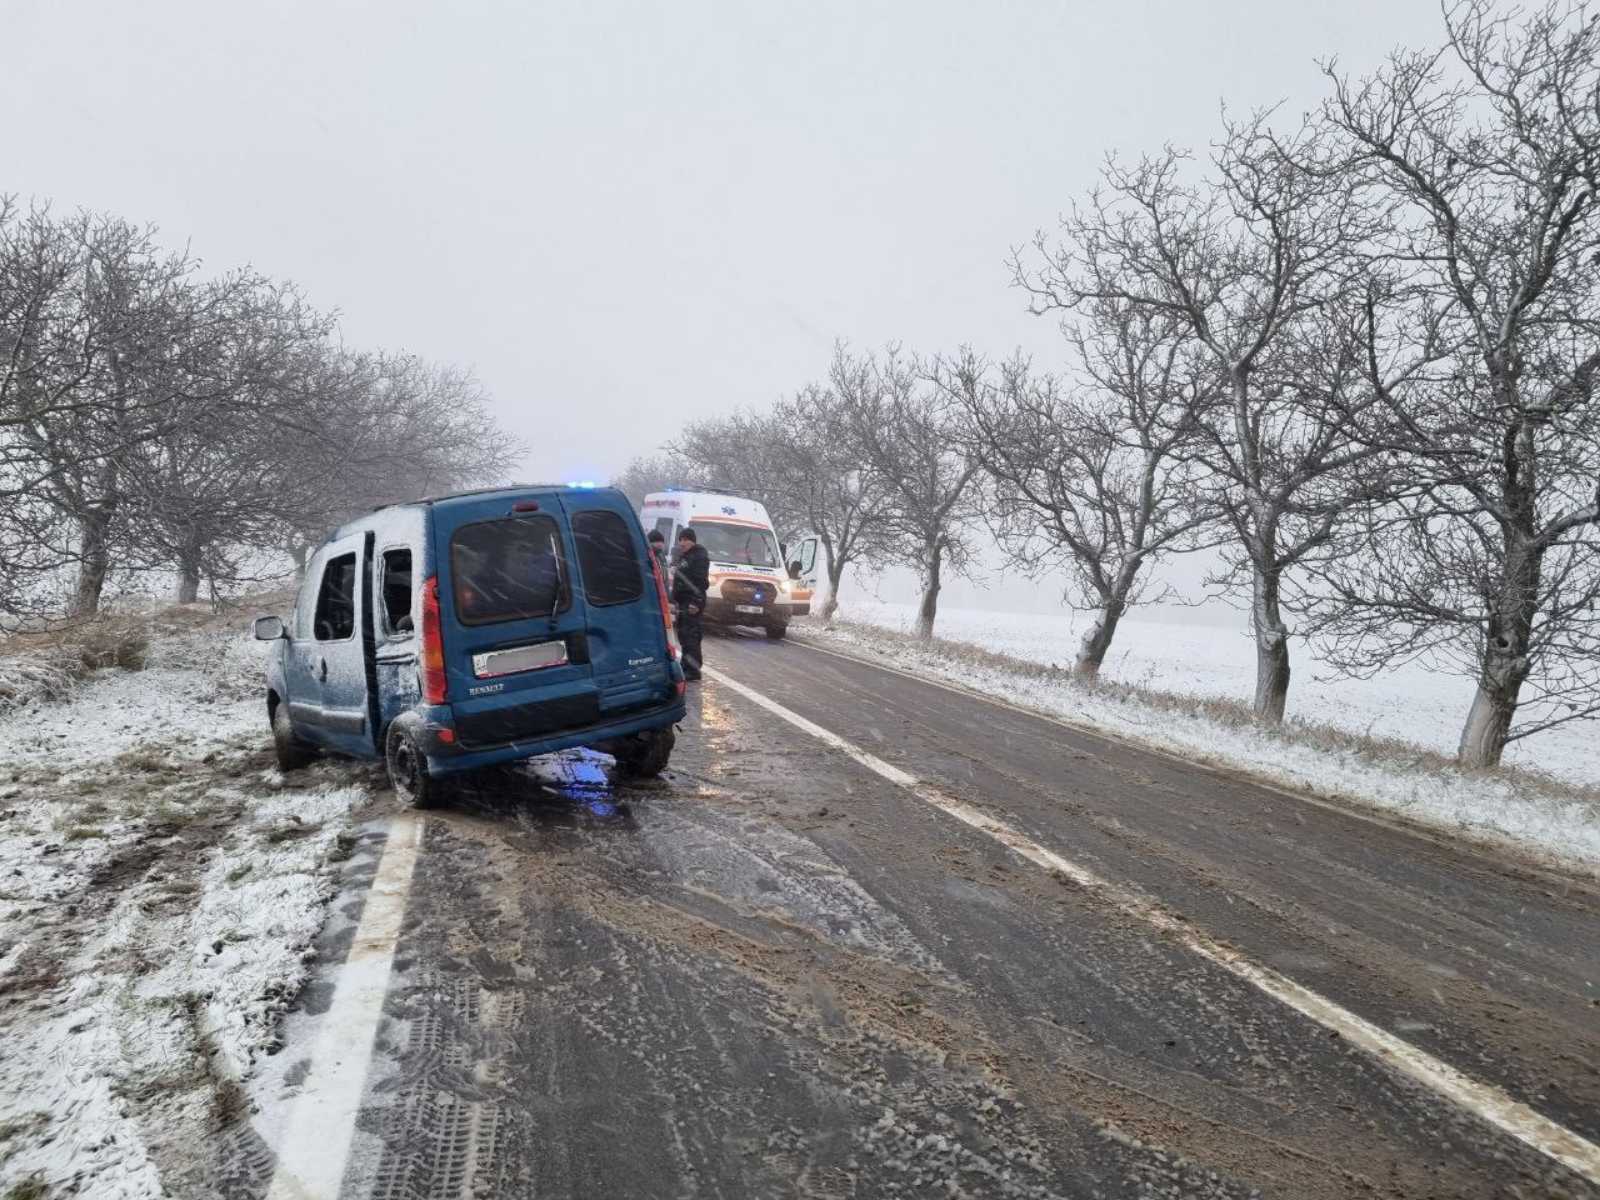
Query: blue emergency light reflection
{"x": 582, "y": 483}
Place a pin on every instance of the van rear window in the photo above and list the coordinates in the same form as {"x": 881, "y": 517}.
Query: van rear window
{"x": 612, "y": 573}
{"x": 508, "y": 570}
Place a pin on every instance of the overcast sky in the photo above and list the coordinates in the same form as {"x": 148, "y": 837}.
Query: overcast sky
{"x": 625, "y": 215}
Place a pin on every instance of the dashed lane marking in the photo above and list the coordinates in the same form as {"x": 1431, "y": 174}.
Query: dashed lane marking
{"x": 315, "y": 1143}
{"x": 1485, "y": 1101}
{"x": 1476, "y": 840}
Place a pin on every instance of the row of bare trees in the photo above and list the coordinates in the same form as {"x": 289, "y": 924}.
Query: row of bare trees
{"x": 153, "y": 419}
{"x": 869, "y": 459}
{"x": 1357, "y": 357}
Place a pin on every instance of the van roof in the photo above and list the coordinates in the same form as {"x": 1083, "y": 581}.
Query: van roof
{"x": 677, "y": 497}
{"x": 502, "y": 489}
{"x": 491, "y": 491}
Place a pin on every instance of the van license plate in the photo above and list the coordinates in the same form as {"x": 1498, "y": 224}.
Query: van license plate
{"x": 749, "y": 608}
{"x": 519, "y": 658}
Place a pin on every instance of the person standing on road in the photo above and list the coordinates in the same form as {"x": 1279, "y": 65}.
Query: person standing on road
{"x": 658, "y": 547}
{"x": 691, "y": 577}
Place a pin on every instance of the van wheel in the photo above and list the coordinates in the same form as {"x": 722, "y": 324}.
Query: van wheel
{"x": 408, "y": 769}
{"x": 292, "y": 753}
{"x": 645, "y": 755}
{"x": 775, "y": 633}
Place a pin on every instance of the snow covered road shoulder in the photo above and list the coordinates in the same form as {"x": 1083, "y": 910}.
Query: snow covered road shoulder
{"x": 160, "y": 886}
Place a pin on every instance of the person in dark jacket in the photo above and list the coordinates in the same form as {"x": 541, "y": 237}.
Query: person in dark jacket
{"x": 691, "y": 577}
{"x": 658, "y": 547}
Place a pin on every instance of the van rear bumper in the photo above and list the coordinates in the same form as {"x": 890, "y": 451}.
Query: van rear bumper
{"x": 448, "y": 758}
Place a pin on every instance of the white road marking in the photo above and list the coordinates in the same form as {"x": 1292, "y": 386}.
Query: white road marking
{"x": 1383, "y": 819}
{"x": 315, "y": 1143}
{"x": 1483, "y": 1100}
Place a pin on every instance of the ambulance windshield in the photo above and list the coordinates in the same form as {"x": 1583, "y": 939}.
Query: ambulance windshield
{"x": 741, "y": 545}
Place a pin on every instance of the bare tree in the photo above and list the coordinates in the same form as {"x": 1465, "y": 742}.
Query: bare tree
{"x": 739, "y": 455}
{"x": 360, "y": 430}
{"x": 152, "y": 421}
{"x": 799, "y": 460}
{"x": 828, "y": 485}
{"x": 1101, "y": 476}
{"x": 653, "y": 473}
{"x": 1487, "y": 153}
{"x": 210, "y": 484}
{"x": 1250, "y": 264}
{"x": 39, "y": 262}
{"x": 900, "y": 413}
{"x": 86, "y": 378}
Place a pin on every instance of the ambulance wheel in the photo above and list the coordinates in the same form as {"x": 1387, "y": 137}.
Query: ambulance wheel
{"x": 291, "y": 752}
{"x": 408, "y": 769}
{"x": 775, "y": 633}
{"x": 645, "y": 755}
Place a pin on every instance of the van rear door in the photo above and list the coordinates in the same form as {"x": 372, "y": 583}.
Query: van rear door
{"x": 514, "y": 619}
{"x": 627, "y": 636}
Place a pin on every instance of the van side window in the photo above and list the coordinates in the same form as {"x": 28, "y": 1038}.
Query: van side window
{"x": 612, "y": 571}
{"x": 336, "y": 600}
{"x": 508, "y": 570}
{"x": 396, "y": 585}
{"x": 664, "y": 527}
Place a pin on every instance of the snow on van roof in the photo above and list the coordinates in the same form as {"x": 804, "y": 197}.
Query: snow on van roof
{"x": 501, "y": 489}
{"x": 490, "y": 491}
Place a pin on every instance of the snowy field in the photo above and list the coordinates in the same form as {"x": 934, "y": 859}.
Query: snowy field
{"x": 160, "y": 885}
{"x": 1409, "y": 703}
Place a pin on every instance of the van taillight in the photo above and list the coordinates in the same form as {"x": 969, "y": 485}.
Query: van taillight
{"x": 434, "y": 685}
{"x": 666, "y": 608}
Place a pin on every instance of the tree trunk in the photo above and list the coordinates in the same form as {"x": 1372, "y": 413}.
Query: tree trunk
{"x": 1483, "y": 738}
{"x": 830, "y": 605}
{"x": 1504, "y": 664}
{"x": 94, "y": 561}
{"x": 929, "y": 608}
{"x": 833, "y": 568}
{"x": 189, "y": 575}
{"x": 1097, "y": 640}
{"x": 1272, "y": 649}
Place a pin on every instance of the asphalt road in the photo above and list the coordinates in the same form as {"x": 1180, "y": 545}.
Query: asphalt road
{"x": 778, "y": 973}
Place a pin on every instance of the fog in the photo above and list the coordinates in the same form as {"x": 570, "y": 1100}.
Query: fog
{"x": 625, "y": 216}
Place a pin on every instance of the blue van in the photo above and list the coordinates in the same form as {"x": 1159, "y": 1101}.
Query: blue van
{"x": 453, "y": 633}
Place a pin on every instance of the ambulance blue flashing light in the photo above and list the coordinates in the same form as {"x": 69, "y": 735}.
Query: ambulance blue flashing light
{"x": 582, "y": 483}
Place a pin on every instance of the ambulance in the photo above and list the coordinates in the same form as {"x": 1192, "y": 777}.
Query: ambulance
{"x": 750, "y": 582}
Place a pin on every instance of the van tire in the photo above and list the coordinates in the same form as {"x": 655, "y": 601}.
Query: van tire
{"x": 645, "y": 755}
{"x": 775, "y": 633}
{"x": 291, "y": 752}
{"x": 408, "y": 769}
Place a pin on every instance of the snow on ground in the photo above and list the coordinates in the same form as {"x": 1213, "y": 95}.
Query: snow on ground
{"x": 1409, "y": 704}
{"x": 160, "y": 884}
